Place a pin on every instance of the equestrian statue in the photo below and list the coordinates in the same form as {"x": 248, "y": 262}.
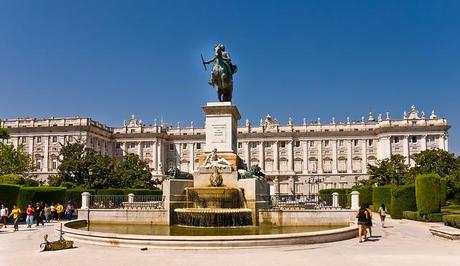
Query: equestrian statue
{"x": 222, "y": 73}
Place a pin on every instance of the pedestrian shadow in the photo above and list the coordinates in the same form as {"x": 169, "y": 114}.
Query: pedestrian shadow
{"x": 372, "y": 240}
{"x": 390, "y": 226}
{"x": 374, "y": 236}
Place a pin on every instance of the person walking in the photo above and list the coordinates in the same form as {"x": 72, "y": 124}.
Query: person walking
{"x": 368, "y": 221}
{"x": 362, "y": 215}
{"x": 4, "y": 215}
{"x": 30, "y": 216}
{"x": 39, "y": 214}
{"x": 53, "y": 211}
{"x": 382, "y": 213}
{"x": 59, "y": 210}
{"x": 15, "y": 213}
{"x": 47, "y": 212}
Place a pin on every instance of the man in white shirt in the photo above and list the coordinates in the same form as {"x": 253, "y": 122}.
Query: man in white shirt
{"x": 4, "y": 215}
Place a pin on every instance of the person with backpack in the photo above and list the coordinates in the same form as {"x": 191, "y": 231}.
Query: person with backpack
{"x": 363, "y": 216}
{"x": 382, "y": 213}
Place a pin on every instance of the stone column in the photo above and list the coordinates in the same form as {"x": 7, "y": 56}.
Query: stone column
{"x": 125, "y": 148}
{"x": 85, "y": 200}
{"x": 160, "y": 157}
{"x": 384, "y": 148}
{"x": 305, "y": 157}
{"x": 192, "y": 157}
{"x": 261, "y": 156}
{"x": 446, "y": 142}
{"x": 290, "y": 156}
{"x": 364, "y": 157}
{"x": 139, "y": 150}
{"x": 423, "y": 143}
{"x": 335, "y": 200}
{"x": 349, "y": 157}
{"x": 441, "y": 142}
{"x": 276, "y": 164}
{"x": 276, "y": 185}
{"x": 247, "y": 152}
{"x": 320, "y": 157}
{"x": 46, "y": 153}
{"x": 406, "y": 148}
{"x": 334, "y": 156}
{"x": 291, "y": 185}
{"x": 155, "y": 156}
{"x": 354, "y": 200}
{"x": 31, "y": 146}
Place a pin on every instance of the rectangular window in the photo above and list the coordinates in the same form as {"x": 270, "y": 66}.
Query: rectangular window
{"x": 184, "y": 146}
{"x": 371, "y": 142}
{"x": 133, "y": 130}
{"x": 253, "y": 145}
{"x": 54, "y": 139}
{"x": 131, "y": 145}
{"x": 171, "y": 147}
{"x": 38, "y": 164}
{"x": 355, "y": 142}
{"x": 23, "y": 140}
{"x": 240, "y": 145}
{"x": 267, "y": 144}
{"x": 198, "y": 146}
{"x": 283, "y": 144}
{"x": 326, "y": 143}
{"x": 395, "y": 139}
{"x": 413, "y": 139}
{"x": 297, "y": 143}
{"x": 54, "y": 164}
{"x": 312, "y": 143}
{"x": 147, "y": 145}
{"x": 341, "y": 143}
{"x": 39, "y": 139}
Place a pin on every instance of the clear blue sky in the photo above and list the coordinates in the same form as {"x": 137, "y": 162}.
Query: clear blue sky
{"x": 110, "y": 59}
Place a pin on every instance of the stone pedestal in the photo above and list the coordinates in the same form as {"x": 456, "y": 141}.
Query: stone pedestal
{"x": 221, "y": 127}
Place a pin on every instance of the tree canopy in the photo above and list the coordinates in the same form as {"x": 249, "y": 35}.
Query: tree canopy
{"x": 4, "y": 134}
{"x": 14, "y": 161}
{"x": 388, "y": 171}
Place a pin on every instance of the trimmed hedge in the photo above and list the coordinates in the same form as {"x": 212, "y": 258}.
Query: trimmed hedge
{"x": 365, "y": 194}
{"x": 443, "y": 191}
{"x": 402, "y": 199}
{"x": 428, "y": 193}
{"x": 325, "y": 195}
{"x": 10, "y": 179}
{"x": 381, "y": 195}
{"x": 417, "y": 216}
{"x": 452, "y": 220}
{"x": 9, "y": 194}
{"x": 31, "y": 195}
{"x": 74, "y": 195}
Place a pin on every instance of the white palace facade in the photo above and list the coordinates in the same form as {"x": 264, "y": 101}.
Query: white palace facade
{"x": 298, "y": 159}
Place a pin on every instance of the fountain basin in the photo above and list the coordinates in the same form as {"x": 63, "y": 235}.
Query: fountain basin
{"x": 75, "y": 230}
{"x": 213, "y": 217}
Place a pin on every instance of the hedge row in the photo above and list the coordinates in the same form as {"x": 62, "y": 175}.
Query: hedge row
{"x": 402, "y": 199}
{"x": 9, "y": 194}
{"x": 325, "y": 195}
{"x": 31, "y": 195}
{"x": 417, "y": 216}
{"x": 452, "y": 220}
{"x": 428, "y": 193}
{"x": 382, "y": 195}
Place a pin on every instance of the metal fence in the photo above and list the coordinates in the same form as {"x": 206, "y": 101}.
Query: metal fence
{"x": 313, "y": 201}
{"x": 125, "y": 202}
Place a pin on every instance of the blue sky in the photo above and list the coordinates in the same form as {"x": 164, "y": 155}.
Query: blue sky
{"x": 110, "y": 59}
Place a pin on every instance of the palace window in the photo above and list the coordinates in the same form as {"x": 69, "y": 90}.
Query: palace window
{"x": 184, "y": 146}
{"x": 131, "y": 145}
{"x": 355, "y": 142}
{"x": 23, "y": 140}
{"x": 395, "y": 139}
{"x": 340, "y": 142}
{"x": 39, "y": 139}
{"x": 371, "y": 142}
{"x": 430, "y": 139}
{"x": 54, "y": 139}
{"x": 54, "y": 164}
{"x": 312, "y": 143}
{"x": 253, "y": 145}
{"x": 413, "y": 139}
{"x": 240, "y": 145}
{"x": 356, "y": 165}
{"x": 198, "y": 146}
{"x": 282, "y": 144}
{"x": 171, "y": 147}
{"x": 342, "y": 165}
{"x": 38, "y": 164}
{"x": 147, "y": 145}
{"x": 267, "y": 144}
{"x": 326, "y": 143}
{"x": 297, "y": 143}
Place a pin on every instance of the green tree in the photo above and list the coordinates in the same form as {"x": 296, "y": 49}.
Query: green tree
{"x": 102, "y": 172}
{"x": 4, "y": 134}
{"x": 132, "y": 172}
{"x": 388, "y": 171}
{"x": 14, "y": 161}
{"x": 75, "y": 160}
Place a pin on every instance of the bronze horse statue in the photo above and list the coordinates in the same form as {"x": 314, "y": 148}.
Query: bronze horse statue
{"x": 222, "y": 73}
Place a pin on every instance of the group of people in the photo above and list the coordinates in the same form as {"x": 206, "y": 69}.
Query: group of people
{"x": 364, "y": 215}
{"x": 39, "y": 214}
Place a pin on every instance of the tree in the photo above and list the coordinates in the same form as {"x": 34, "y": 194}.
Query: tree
{"x": 74, "y": 163}
{"x": 4, "y": 134}
{"x": 132, "y": 172}
{"x": 102, "y": 172}
{"x": 14, "y": 161}
{"x": 388, "y": 171}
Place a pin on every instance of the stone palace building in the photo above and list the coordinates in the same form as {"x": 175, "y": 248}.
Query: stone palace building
{"x": 298, "y": 159}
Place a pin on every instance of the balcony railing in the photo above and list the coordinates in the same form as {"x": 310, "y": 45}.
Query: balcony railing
{"x": 126, "y": 202}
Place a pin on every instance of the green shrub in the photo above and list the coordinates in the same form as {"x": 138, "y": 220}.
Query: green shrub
{"x": 31, "y": 195}
{"x": 126, "y": 191}
{"x": 110, "y": 191}
{"x": 402, "y": 199}
{"x": 443, "y": 191}
{"x": 29, "y": 182}
{"x": 10, "y": 179}
{"x": 428, "y": 193}
{"x": 417, "y": 216}
{"x": 381, "y": 195}
{"x": 365, "y": 194}
{"x": 452, "y": 220}
{"x": 9, "y": 195}
{"x": 325, "y": 195}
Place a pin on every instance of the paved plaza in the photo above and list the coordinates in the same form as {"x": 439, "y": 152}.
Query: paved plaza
{"x": 402, "y": 242}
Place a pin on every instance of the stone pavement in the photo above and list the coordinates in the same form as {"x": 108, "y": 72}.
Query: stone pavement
{"x": 402, "y": 242}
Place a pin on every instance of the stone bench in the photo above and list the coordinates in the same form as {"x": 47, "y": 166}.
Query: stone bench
{"x": 446, "y": 232}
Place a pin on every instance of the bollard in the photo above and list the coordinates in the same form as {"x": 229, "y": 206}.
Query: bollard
{"x": 354, "y": 200}
{"x": 335, "y": 200}
{"x": 130, "y": 198}
{"x": 85, "y": 200}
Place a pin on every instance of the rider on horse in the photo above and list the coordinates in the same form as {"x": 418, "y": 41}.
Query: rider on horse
{"x": 223, "y": 69}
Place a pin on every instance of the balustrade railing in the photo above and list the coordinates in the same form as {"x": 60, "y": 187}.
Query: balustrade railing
{"x": 126, "y": 202}
{"x": 312, "y": 201}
